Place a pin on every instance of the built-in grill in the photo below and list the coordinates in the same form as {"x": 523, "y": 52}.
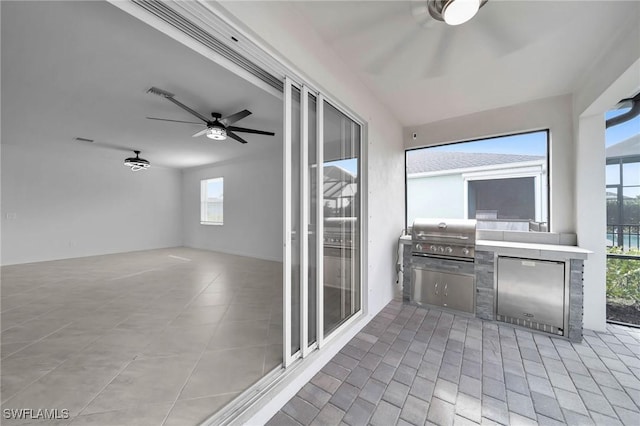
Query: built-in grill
{"x": 442, "y": 263}
{"x": 444, "y": 238}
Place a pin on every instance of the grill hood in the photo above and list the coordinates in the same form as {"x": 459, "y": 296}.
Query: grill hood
{"x": 454, "y": 231}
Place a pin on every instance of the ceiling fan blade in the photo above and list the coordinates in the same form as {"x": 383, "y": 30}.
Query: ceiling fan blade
{"x": 236, "y": 137}
{"x": 200, "y": 133}
{"x": 245, "y": 130}
{"x": 113, "y": 147}
{"x": 230, "y": 119}
{"x": 175, "y": 121}
{"x": 382, "y": 60}
{"x": 441, "y": 54}
{"x": 170, "y": 97}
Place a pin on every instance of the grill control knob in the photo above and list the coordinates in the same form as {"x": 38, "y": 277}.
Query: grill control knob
{"x": 433, "y": 248}
{"x": 465, "y": 251}
{"x": 449, "y": 250}
{"x": 441, "y": 249}
{"x": 419, "y": 247}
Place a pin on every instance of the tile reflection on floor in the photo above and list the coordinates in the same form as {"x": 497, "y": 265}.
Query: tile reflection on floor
{"x": 155, "y": 337}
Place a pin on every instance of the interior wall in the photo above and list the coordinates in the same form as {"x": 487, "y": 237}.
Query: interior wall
{"x": 553, "y": 113}
{"x": 66, "y": 203}
{"x": 252, "y": 207}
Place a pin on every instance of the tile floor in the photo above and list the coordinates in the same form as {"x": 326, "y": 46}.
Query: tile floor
{"x": 413, "y": 366}
{"x": 159, "y": 337}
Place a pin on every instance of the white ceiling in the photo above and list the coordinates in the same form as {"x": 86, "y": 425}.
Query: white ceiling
{"x": 82, "y": 69}
{"x": 511, "y": 52}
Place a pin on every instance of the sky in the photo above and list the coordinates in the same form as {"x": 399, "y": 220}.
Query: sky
{"x": 622, "y": 131}
{"x": 215, "y": 188}
{"x": 350, "y": 165}
{"x": 525, "y": 144}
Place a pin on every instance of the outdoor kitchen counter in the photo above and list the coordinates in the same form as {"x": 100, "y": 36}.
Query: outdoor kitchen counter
{"x": 533, "y": 250}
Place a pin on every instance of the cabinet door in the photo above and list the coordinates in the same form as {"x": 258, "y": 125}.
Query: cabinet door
{"x": 457, "y": 292}
{"x": 427, "y": 286}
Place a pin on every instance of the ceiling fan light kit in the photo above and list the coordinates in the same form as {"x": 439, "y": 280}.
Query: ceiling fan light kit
{"x": 136, "y": 163}
{"x": 454, "y": 12}
{"x": 217, "y": 133}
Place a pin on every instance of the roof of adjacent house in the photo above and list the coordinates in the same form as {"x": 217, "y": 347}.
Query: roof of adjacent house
{"x": 422, "y": 160}
{"x": 627, "y": 147}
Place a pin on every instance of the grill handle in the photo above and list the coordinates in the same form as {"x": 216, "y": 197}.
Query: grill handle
{"x": 458, "y": 237}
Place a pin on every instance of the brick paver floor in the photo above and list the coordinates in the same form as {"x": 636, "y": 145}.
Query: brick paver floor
{"x": 414, "y": 366}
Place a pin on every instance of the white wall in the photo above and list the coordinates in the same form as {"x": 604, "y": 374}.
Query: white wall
{"x": 435, "y": 196}
{"x": 252, "y": 207}
{"x": 284, "y": 31}
{"x": 616, "y": 75}
{"x": 65, "y": 203}
{"x": 553, "y": 113}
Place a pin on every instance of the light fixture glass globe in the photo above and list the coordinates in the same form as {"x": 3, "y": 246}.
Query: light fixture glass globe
{"x": 458, "y": 12}
{"x": 217, "y": 133}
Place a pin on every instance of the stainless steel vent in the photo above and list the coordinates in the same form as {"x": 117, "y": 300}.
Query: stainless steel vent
{"x": 175, "y": 19}
{"x": 531, "y": 324}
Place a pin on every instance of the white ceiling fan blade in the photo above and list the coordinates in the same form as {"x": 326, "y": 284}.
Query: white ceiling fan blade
{"x": 345, "y": 27}
{"x": 200, "y": 133}
{"x": 439, "y": 59}
{"x": 383, "y": 59}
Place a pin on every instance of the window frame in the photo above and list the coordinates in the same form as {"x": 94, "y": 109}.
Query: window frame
{"x": 203, "y": 202}
{"x": 465, "y": 176}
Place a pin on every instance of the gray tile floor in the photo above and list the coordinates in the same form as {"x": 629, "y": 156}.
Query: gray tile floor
{"x": 159, "y": 337}
{"x": 413, "y": 366}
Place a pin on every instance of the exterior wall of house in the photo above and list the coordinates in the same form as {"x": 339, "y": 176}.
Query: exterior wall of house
{"x": 428, "y": 193}
{"x": 613, "y": 77}
{"x": 285, "y": 31}
{"x": 81, "y": 201}
{"x": 288, "y": 36}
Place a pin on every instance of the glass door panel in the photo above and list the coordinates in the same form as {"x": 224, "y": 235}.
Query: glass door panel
{"x": 312, "y": 167}
{"x": 295, "y": 220}
{"x": 341, "y": 211}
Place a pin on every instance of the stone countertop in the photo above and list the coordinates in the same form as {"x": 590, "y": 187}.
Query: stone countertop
{"x": 533, "y": 250}
{"x": 528, "y": 250}
{"x": 405, "y": 239}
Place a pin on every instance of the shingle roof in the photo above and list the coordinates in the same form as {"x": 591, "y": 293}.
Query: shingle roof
{"x": 420, "y": 161}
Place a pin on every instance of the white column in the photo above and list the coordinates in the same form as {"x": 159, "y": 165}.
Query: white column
{"x": 591, "y": 215}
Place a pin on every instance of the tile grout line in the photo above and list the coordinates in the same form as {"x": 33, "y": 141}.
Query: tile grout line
{"x": 195, "y": 365}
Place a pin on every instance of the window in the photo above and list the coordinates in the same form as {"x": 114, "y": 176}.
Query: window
{"x": 501, "y": 182}
{"x": 211, "y": 201}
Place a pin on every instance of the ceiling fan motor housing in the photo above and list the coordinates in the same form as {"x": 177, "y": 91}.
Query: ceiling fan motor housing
{"x": 436, "y": 7}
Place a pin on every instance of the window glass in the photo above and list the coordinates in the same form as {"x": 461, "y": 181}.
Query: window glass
{"x": 613, "y": 174}
{"x": 501, "y": 182}
{"x": 631, "y": 205}
{"x": 631, "y": 174}
{"x": 211, "y": 201}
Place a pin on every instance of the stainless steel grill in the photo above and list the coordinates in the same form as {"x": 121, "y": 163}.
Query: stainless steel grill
{"x": 444, "y": 238}
{"x": 442, "y": 263}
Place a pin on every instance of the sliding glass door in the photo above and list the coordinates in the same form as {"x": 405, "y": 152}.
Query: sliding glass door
{"x": 322, "y": 223}
{"x": 341, "y": 214}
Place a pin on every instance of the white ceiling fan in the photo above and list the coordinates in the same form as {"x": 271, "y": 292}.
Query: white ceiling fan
{"x": 445, "y": 26}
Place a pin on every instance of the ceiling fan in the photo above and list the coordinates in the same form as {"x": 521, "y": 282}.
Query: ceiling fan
{"x": 219, "y": 128}
{"x": 134, "y": 163}
{"x": 445, "y": 28}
